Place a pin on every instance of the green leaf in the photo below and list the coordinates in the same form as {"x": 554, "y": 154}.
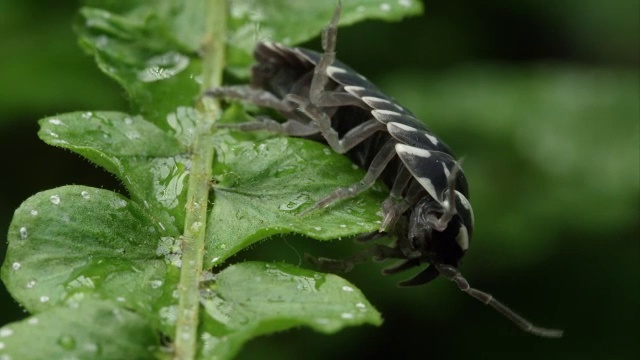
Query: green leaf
{"x": 90, "y": 330}
{"x": 77, "y": 245}
{"x": 150, "y": 162}
{"x": 260, "y": 188}
{"x": 253, "y": 298}
{"x": 251, "y": 21}
{"x": 151, "y": 49}
{"x": 77, "y": 242}
{"x": 137, "y": 48}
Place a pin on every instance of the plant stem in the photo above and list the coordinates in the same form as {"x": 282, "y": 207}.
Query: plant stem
{"x": 186, "y": 345}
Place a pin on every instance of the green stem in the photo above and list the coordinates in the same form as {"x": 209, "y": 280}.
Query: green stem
{"x": 186, "y": 345}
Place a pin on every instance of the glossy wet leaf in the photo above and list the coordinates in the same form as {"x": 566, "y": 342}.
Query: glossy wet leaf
{"x": 76, "y": 242}
{"x": 90, "y": 330}
{"x": 150, "y": 162}
{"x": 251, "y": 21}
{"x": 253, "y": 298}
{"x": 74, "y": 245}
{"x": 260, "y": 189}
{"x": 136, "y": 46}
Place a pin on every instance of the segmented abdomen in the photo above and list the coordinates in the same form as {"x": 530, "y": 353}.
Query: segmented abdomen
{"x": 291, "y": 70}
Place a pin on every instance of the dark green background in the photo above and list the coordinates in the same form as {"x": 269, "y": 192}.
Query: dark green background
{"x": 542, "y": 99}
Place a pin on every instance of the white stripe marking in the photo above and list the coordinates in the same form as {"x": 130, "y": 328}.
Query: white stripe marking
{"x": 426, "y": 183}
{"x": 374, "y": 101}
{"x": 433, "y": 139}
{"x": 467, "y": 205}
{"x": 446, "y": 170}
{"x": 413, "y": 151}
{"x": 401, "y": 127}
{"x": 463, "y": 238}
{"x": 332, "y": 70}
{"x": 350, "y": 88}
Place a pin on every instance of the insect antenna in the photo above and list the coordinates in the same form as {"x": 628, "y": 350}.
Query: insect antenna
{"x": 454, "y": 275}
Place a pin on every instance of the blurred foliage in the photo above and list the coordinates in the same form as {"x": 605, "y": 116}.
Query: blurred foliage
{"x": 542, "y": 99}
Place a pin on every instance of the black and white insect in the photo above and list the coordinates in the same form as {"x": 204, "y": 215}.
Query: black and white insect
{"x": 428, "y": 211}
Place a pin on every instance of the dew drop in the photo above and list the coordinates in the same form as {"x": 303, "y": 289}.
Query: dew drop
{"x": 168, "y": 314}
{"x": 132, "y": 135}
{"x": 87, "y": 115}
{"x": 120, "y": 299}
{"x": 67, "y": 342}
{"x": 343, "y": 226}
{"x": 295, "y": 203}
{"x": 85, "y": 194}
{"x": 156, "y": 283}
{"x": 360, "y": 305}
{"x": 55, "y": 122}
{"x": 4, "y": 332}
{"x": 318, "y": 228}
{"x": 163, "y": 67}
{"x": 2, "y": 347}
{"x": 33, "y": 321}
{"x": 128, "y": 121}
{"x": 16, "y": 266}
{"x": 347, "y": 288}
{"x": 34, "y": 212}
{"x": 119, "y": 204}
{"x": 385, "y": 7}
{"x": 44, "y": 299}
{"x": 81, "y": 282}
{"x": 31, "y": 284}
{"x": 326, "y": 151}
{"x": 346, "y": 315}
{"x": 196, "y": 225}
{"x": 91, "y": 348}
{"x": 55, "y": 199}
{"x": 405, "y": 3}
{"x": 23, "y": 233}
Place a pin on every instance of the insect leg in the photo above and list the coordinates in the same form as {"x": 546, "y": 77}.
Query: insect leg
{"x": 454, "y": 275}
{"x": 394, "y": 206}
{"x": 352, "y": 138}
{"x": 320, "y": 77}
{"x": 440, "y": 223}
{"x": 253, "y": 95}
{"x": 339, "y": 98}
{"x": 346, "y": 265}
{"x": 422, "y": 277}
{"x": 401, "y": 266}
{"x": 375, "y": 169}
{"x": 290, "y": 127}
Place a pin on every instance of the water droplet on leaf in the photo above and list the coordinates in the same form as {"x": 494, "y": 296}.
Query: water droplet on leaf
{"x": 67, "y": 342}
{"x": 23, "y": 233}
{"x": 163, "y": 67}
